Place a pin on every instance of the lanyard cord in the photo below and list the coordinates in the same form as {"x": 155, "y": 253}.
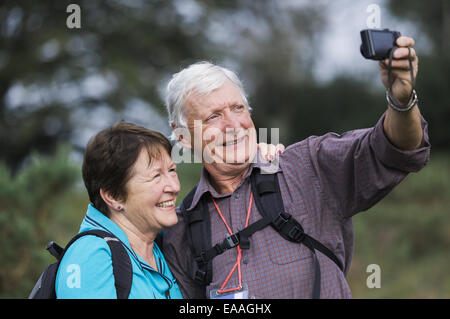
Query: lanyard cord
{"x": 413, "y": 80}
{"x": 239, "y": 257}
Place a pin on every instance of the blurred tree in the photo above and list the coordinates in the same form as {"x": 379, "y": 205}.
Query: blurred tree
{"x": 51, "y": 76}
{"x": 301, "y": 109}
{"x": 27, "y": 214}
{"x": 48, "y": 70}
{"x": 433, "y": 82}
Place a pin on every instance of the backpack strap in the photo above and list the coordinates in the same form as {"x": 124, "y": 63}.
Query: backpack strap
{"x": 199, "y": 236}
{"x": 122, "y": 268}
{"x": 268, "y": 199}
{"x": 270, "y": 204}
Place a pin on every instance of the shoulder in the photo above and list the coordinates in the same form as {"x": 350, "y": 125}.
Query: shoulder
{"x": 86, "y": 270}
{"x": 297, "y": 157}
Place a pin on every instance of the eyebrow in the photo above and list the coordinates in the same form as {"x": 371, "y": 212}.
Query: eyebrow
{"x": 159, "y": 167}
{"x": 221, "y": 107}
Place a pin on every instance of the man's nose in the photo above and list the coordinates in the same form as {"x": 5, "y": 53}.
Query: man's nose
{"x": 231, "y": 120}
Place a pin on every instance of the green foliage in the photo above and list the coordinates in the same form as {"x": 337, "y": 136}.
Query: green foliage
{"x": 189, "y": 175}
{"x": 407, "y": 234}
{"x": 133, "y": 47}
{"x": 130, "y": 49}
{"x": 298, "y": 108}
{"x": 27, "y": 213}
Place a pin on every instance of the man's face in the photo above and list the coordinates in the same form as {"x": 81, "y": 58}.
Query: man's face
{"x": 228, "y": 135}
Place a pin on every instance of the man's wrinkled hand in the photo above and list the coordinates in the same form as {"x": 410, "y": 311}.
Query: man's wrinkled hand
{"x": 400, "y": 72}
{"x": 270, "y": 151}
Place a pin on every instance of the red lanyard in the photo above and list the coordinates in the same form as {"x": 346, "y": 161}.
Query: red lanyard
{"x": 239, "y": 257}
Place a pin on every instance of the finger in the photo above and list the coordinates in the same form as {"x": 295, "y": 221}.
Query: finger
{"x": 262, "y": 149}
{"x": 267, "y": 151}
{"x": 404, "y": 41}
{"x": 400, "y": 65}
{"x": 280, "y": 149}
{"x": 397, "y": 64}
{"x": 271, "y": 152}
{"x": 404, "y": 53}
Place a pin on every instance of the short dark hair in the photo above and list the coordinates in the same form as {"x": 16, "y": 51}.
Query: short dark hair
{"x": 111, "y": 154}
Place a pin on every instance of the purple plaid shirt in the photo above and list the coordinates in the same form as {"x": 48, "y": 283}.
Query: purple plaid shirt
{"x": 324, "y": 181}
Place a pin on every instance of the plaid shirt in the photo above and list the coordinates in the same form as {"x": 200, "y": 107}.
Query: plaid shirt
{"x": 324, "y": 181}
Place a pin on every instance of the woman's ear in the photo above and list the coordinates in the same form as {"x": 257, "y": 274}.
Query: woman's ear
{"x": 112, "y": 203}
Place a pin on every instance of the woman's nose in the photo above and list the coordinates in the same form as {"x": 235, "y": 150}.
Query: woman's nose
{"x": 172, "y": 184}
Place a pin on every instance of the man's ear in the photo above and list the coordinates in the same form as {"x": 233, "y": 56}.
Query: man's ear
{"x": 183, "y": 135}
{"x": 112, "y": 203}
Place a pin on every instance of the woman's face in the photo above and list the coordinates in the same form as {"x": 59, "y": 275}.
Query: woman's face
{"x": 152, "y": 193}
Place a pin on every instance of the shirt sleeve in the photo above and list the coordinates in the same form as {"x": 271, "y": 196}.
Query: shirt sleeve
{"x": 360, "y": 167}
{"x": 181, "y": 261}
{"x": 86, "y": 271}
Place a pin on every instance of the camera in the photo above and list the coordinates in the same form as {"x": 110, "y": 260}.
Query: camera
{"x": 377, "y": 43}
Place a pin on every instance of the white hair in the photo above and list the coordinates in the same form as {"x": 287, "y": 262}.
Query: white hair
{"x": 201, "y": 78}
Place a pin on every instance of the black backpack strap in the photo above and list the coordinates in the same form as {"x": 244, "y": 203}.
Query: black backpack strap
{"x": 268, "y": 199}
{"x": 122, "y": 268}
{"x": 270, "y": 202}
{"x": 199, "y": 236}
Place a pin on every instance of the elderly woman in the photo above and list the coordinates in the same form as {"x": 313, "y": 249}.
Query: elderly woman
{"x": 133, "y": 186}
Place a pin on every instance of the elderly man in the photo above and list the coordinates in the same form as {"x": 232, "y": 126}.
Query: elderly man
{"x": 323, "y": 182}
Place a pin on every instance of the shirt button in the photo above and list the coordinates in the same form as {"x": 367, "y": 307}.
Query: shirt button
{"x": 236, "y": 195}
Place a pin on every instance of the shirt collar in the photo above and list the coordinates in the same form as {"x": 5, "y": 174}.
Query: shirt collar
{"x": 94, "y": 219}
{"x": 204, "y": 186}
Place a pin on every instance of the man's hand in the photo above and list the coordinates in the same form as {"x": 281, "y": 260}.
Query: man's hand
{"x": 403, "y": 129}
{"x": 269, "y": 152}
{"x": 400, "y": 72}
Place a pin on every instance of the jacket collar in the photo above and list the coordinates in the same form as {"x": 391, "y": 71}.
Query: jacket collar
{"x": 94, "y": 219}
{"x": 204, "y": 186}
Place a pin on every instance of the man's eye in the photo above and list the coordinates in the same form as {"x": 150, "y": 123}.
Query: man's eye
{"x": 212, "y": 117}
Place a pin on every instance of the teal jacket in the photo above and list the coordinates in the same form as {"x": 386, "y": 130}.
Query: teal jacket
{"x": 86, "y": 269}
